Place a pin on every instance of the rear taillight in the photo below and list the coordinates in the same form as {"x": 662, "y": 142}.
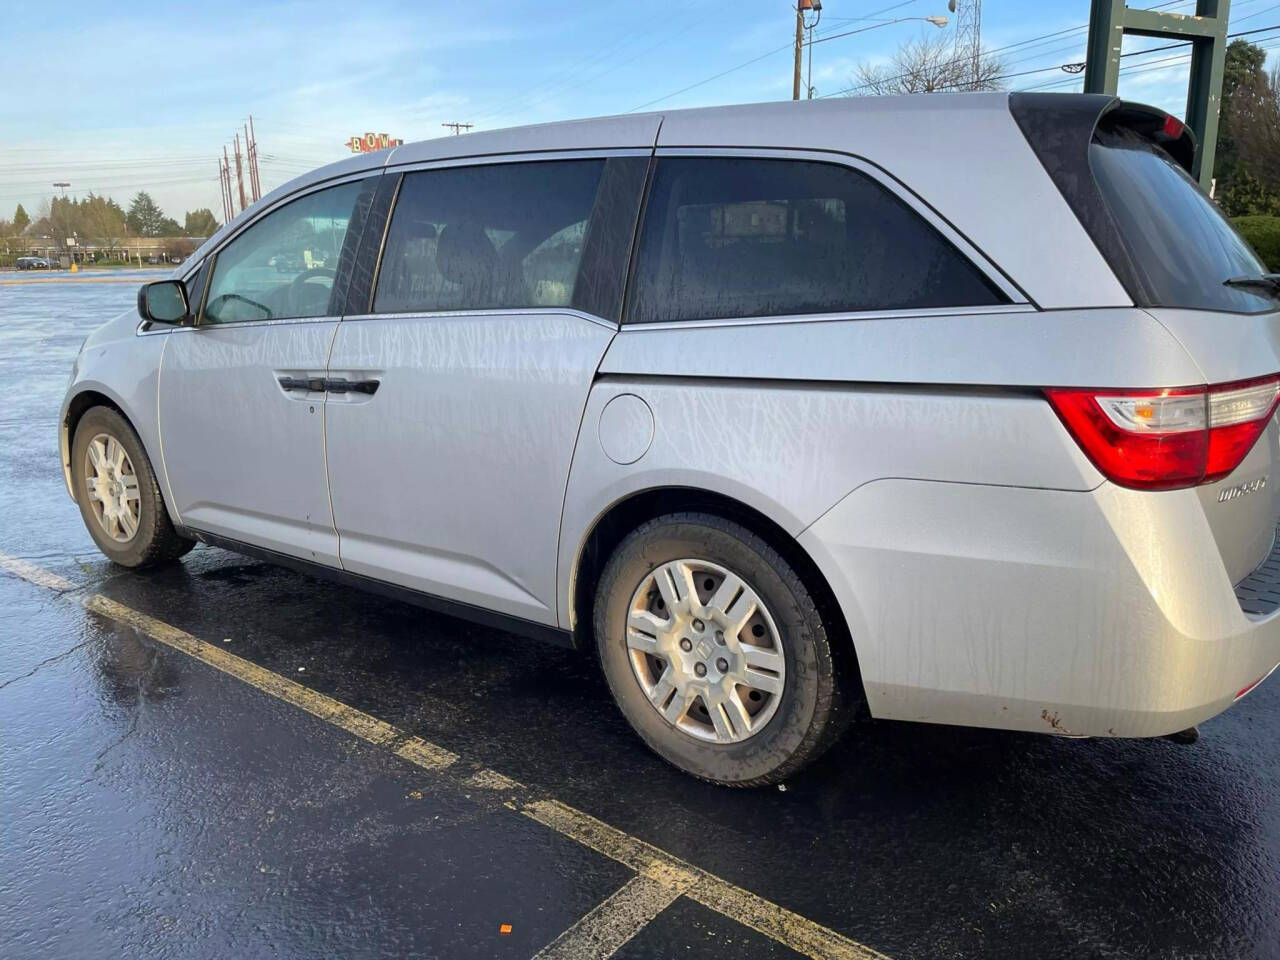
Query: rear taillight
{"x": 1166, "y": 439}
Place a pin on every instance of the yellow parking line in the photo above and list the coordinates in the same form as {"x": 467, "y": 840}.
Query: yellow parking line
{"x": 659, "y": 873}
{"x": 603, "y": 931}
{"x": 800, "y": 934}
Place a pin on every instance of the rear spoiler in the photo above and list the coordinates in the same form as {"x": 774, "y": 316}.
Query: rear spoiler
{"x": 1061, "y": 126}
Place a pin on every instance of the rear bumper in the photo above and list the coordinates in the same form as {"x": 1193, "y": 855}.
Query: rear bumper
{"x": 1100, "y": 613}
{"x": 1259, "y": 593}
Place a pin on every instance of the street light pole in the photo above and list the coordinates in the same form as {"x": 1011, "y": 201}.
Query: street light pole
{"x": 816, "y": 5}
{"x": 936, "y": 21}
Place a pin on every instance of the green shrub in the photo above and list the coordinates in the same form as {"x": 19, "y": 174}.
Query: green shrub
{"x": 1263, "y": 234}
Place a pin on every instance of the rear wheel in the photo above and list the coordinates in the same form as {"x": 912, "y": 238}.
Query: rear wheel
{"x": 715, "y": 651}
{"x": 118, "y": 494}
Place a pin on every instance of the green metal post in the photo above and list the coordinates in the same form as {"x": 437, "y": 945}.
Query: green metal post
{"x": 1204, "y": 91}
{"x": 1106, "y": 34}
{"x": 1110, "y": 20}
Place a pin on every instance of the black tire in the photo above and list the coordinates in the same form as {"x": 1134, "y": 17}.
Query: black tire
{"x": 155, "y": 541}
{"x": 814, "y": 707}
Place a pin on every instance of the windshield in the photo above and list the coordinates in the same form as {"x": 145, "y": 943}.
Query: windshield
{"x": 1181, "y": 245}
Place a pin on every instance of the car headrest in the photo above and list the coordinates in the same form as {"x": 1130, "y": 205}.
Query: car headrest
{"x": 465, "y": 255}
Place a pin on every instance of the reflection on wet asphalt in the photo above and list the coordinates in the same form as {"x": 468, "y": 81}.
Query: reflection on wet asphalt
{"x": 154, "y": 807}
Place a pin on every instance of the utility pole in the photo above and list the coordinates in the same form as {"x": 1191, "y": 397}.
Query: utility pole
{"x": 240, "y": 175}
{"x": 795, "y": 78}
{"x": 228, "y": 204}
{"x": 250, "y": 150}
{"x": 253, "y": 162}
{"x": 457, "y": 128}
{"x": 803, "y": 7}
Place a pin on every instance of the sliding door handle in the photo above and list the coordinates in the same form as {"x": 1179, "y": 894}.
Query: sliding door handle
{"x": 305, "y": 384}
{"x": 340, "y": 385}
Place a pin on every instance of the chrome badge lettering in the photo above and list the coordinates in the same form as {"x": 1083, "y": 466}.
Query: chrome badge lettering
{"x": 1242, "y": 490}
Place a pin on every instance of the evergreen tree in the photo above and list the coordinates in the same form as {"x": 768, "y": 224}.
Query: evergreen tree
{"x": 145, "y": 218}
{"x": 200, "y": 223}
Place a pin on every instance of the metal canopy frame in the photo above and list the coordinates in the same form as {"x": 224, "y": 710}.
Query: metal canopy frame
{"x": 1110, "y": 20}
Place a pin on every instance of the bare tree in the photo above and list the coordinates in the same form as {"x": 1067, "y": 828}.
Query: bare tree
{"x": 927, "y": 65}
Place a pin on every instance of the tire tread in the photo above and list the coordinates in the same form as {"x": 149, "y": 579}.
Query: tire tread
{"x": 833, "y": 711}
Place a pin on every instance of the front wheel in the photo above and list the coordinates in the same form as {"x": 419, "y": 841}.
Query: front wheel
{"x": 715, "y": 651}
{"x": 118, "y": 494}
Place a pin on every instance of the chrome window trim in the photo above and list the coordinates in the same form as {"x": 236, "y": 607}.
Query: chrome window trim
{"x": 503, "y": 312}
{"x": 240, "y": 325}
{"x": 980, "y": 260}
{"x": 847, "y": 317}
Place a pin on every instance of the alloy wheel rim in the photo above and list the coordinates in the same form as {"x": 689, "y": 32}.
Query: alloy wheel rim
{"x": 111, "y": 485}
{"x": 705, "y": 651}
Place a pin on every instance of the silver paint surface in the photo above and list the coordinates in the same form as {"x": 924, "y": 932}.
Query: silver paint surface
{"x": 451, "y": 478}
{"x": 244, "y": 458}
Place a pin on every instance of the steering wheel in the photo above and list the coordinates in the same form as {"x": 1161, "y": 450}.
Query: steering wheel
{"x": 299, "y": 304}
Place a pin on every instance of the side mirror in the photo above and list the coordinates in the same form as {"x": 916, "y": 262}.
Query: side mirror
{"x": 164, "y": 301}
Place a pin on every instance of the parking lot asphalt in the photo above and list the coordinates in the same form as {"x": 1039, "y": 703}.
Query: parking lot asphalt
{"x": 222, "y": 758}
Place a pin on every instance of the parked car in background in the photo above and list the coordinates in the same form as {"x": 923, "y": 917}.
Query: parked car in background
{"x": 31, "y": 263}
{"x": 787, "y": 434}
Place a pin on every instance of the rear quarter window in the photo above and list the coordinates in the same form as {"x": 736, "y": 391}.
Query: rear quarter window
{"x": 738, "y": 237}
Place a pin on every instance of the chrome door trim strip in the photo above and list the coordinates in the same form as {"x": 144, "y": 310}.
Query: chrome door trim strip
{"x": 505, "y": 312}
{"x": 836, "y": 317}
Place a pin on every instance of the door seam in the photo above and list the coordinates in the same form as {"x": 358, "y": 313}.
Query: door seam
{"x": 164, "y": 462}
{"x": 324, "y": 446}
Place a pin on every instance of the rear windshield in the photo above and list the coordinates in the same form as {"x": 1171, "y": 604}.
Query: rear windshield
{"x": 1181, "y": 245}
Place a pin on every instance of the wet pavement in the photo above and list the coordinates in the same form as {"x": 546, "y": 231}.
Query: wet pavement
{"x": 154, "y": 806}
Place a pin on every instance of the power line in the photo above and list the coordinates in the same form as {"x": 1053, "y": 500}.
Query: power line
{"x": 790, "y": 45}
{"x": 1021, "y": 43}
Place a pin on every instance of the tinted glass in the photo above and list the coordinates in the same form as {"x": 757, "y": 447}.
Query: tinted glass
{"x": 738, "y": 237}
{"x": 195, "y": 287}
{"x": 497, "y": 237}
{"x": 1180, "y": 243}
{"x": 284, "y": 265}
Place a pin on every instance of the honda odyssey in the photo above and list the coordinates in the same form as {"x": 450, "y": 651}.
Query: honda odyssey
{"x": 958, "y": 409}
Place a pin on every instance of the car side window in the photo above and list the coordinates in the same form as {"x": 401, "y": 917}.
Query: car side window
{"x": 503, "y": 236}
{"x": 284, "y": 265}
{"x": 733, "y": 237}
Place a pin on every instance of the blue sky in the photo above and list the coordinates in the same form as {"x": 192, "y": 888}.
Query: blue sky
{"x": 129, "y": 97}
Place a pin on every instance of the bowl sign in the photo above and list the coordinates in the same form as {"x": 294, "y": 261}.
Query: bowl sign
{"x": 371, "y": 142}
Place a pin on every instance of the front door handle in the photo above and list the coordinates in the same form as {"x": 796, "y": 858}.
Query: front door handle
{"x": 342, "y": 385}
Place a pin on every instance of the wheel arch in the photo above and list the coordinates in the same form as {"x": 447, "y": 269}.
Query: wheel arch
{"x": 86, "y": 397}
{"x": 628, "y": 512}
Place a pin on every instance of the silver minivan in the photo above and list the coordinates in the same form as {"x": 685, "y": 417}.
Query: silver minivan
{"x": 958, "y": 409}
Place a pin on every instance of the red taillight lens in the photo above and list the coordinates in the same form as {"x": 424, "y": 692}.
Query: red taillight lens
{"x": 1238, "y": 413}
{"x": 1166, "y": 439}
